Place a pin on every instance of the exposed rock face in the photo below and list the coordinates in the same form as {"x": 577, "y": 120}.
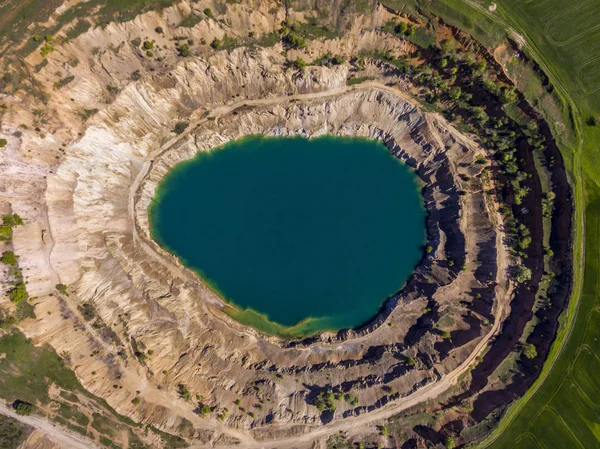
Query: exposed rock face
{"x": 94, "y": 204}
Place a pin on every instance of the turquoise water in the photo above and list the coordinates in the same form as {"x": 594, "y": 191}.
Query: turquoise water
{"x": 318, "y": 232}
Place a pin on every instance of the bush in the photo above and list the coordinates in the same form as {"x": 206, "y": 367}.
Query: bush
{"x": 180, "y": 127}
{"x": 62, "y": 288}
{"x": 384, "y": 431}
{"x": 216, "y": 43}
{"x": 529, "y": 351}
{"x": 325, "y": 401}
{"x": 429, "y": 249}
{"x": 299, "y": 63}
{"x": 523, "y": 274}
{"x": 135, "y": 401}
{"x": 591, "y": 121}
{"x": 22, "y": 408}
{"x": 183, "y": 392}
{"x": 8, "y": 258}
{"x": 449, "y": 442}
{"x": 208, "y": 12}
{"x": 159, "y": 30}
{"x": 63, "y": 82}
{"x": 148, "y": 45}
{"x": 350, "y": 398}
{"x": 183, "y": 50}
{"x": 18, "y": 293}
{"x": 3, "y": 143}
{"x": 294, "y": 40}
{"x": 202, "y": 409}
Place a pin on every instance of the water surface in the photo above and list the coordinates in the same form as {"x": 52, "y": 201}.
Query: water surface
{"x": 298, "y": 235}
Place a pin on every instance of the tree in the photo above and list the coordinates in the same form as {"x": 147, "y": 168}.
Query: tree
{"x": 9, "y": 258}
{"x": 183, "y": 392}
{"x": 216, "y": 43}
{"x": 523, "y": 274}
{"x": 384, "y": 431}
{"x": 591, "y": 121}
{"x": 449, "y": 442}
{"x": 454, "y": 93}
{"x": 529, "y": 351}
{"x": 208, "y": 12}
{"x": 202, "y": 409}
{"x": 12, "y": 220}
{"x": 3, "y": 143}
{"x": 299, "y": 63}
{"x": 325, "y": 401}
{"x": 184, "y": 50}
{"x": 22, "y": 408}
{"x": 294, "y": 40}
{"x": 401, "y": 28}
{"x": 18, "y": 293}
{"x": 429, "y": 249}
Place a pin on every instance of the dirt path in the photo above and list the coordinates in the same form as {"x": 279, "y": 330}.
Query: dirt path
{"x": 61, "y": 435}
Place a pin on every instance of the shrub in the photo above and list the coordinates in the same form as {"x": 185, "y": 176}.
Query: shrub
{"x": 46, "y": 49}
{"x": 591, "y": 121}
{"x": 449, "y": 442}
{"x": 62, "y": 288}
{"x": 208, "y": 12}
{"x": 3, "y": 143}
{"x": 384, "y": 431}
{"x": 135, "y": 401}
{"x": 325, "y": 401}
{"x": 183, "y": 392}
{"x": 148, "y": 45}
{"x": 529, "y": 351}
{"x": 216, "y": 43}
{"x": 350, "y": 398}
{"x": 202, "y": 409}
{"x": 294, "y": 40}
{"x": 149, "y": 53}
{"x": 299, "y": 63}
{"x": 429, "y": 249}
{"x": 159, "y": 30}
{"x": 8, "y": 258}
{"x": 410, "y": 361}
{"x": 523, "y": 274}
{"x": 18, "y": 293}
{"x": 63, "y": 82}
{"x": 22, "y": 408}
{"x": 180, "y": 127}
{"x": 183, "y": 50}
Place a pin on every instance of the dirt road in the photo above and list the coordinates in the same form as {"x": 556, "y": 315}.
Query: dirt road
{"x": 61, "y": 435}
